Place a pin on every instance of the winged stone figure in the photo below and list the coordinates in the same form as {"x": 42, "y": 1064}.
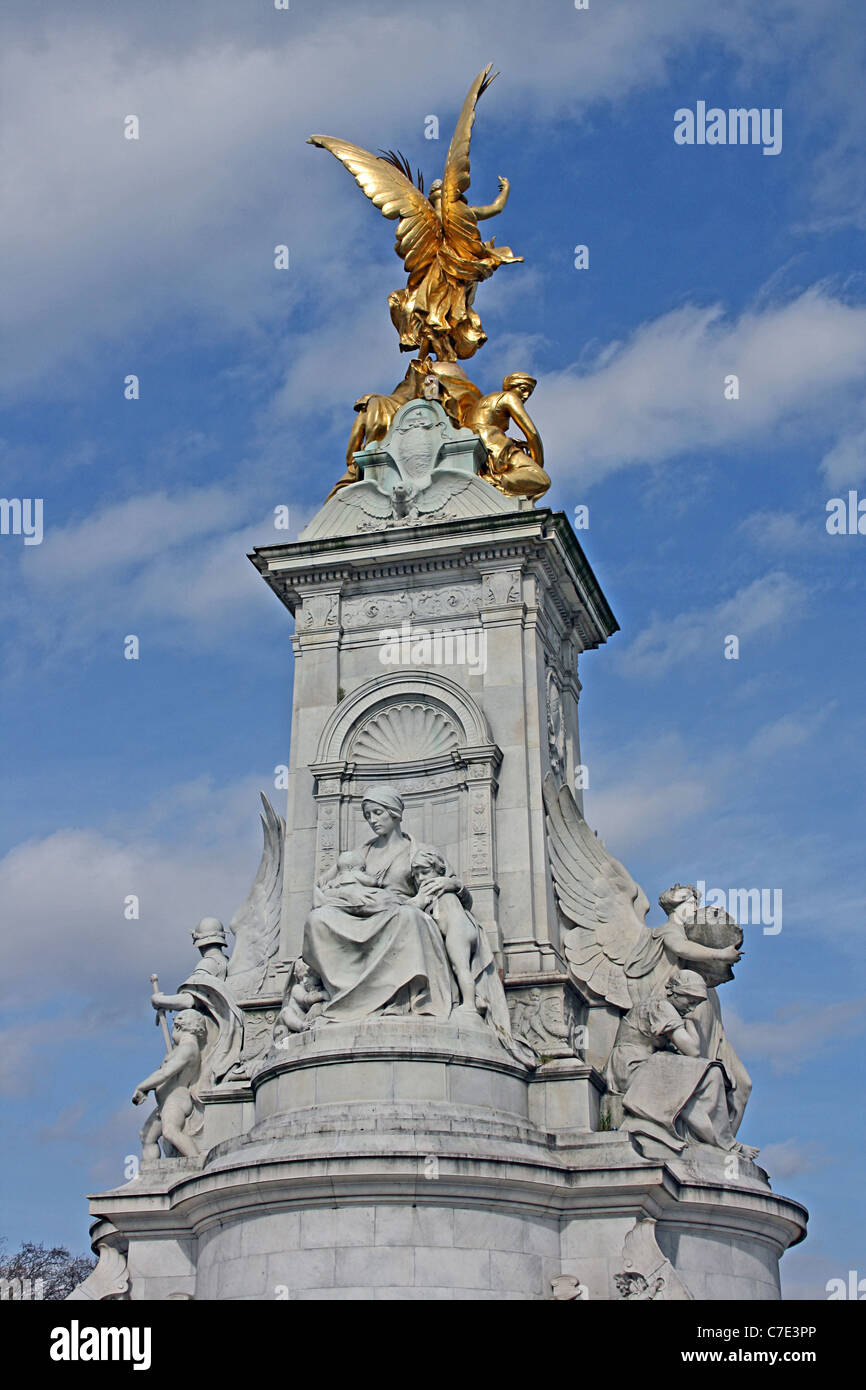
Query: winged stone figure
{"x": 256, "y": 924}
{"x": 615, "y": 956}
{"x": 437, "y": 237}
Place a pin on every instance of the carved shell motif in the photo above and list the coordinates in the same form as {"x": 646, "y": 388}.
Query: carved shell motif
{"x": 404, "y": 733}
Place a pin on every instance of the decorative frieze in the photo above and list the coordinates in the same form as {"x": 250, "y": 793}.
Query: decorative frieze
{"x": 439, "y": 601}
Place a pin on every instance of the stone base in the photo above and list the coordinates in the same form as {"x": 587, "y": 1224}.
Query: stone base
{"x": 402, "y": 1159}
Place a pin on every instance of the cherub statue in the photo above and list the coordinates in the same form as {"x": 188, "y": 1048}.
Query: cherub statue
{"x": 443, "y": 895}
{"x": 178, "y": 1114}
{"x": 671, "y": 1093}
{"x": 437, "y": 237}
{"x": 613, "y": 956}
{"x": 303, "y": 990}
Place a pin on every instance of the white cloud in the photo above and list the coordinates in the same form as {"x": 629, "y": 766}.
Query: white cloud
{"x": 787, "y": 732}
{"x": 660, "y": 394}
{"x": 661, "y": 789}
{"x": 791, "y": 1158}
{"x": 844, "y": 465}
{"x": 323, "y": 377}
{"x": 798, "y": 1032}
{"x": 783, "y": 531}
{"x": 169, "y": 569}
{"x": 762, "y": 608}
{"x": 126, "y": 534}
{"x": 192, "y": 854}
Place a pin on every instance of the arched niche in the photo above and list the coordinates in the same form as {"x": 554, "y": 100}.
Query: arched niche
{"x": 425, "y": 735}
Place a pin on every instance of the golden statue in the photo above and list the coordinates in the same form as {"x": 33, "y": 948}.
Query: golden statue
{"x": 437, "y": 238}
{"x": 445, "y": 258}
{"x": 515, "y": 469}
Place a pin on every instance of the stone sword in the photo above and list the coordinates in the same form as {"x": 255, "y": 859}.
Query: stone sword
{"x": 160, "y": 1015}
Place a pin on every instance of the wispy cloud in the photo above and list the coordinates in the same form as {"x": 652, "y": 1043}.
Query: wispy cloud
{"x": 791, "y": 1158}
{"x": 661, "y": 393}
{"x": 798, "y": 1032}
{"x": 760, "y": 608}
{"x": 169, "y": 569}
{"x": 189, "y": 854}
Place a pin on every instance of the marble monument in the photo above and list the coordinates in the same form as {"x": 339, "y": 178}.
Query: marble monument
{"x": 447, "y": 1057}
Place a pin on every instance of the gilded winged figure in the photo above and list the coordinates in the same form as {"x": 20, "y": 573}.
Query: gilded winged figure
{"x": 437, "y": 237}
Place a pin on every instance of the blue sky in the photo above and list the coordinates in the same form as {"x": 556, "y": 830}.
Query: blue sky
{"x": 707, "y": 516}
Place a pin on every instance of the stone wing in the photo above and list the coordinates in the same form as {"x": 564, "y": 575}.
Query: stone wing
{"x": 443, "y": 486}
{"x": 597, "y": 894}
{"x": 256, "y": 924}
{"x": 366, "y": 497}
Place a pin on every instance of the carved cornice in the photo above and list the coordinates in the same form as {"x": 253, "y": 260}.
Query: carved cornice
{"x": 538, "y": 541}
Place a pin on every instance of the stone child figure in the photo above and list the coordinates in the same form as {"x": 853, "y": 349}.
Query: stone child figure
{"x": 671, "y": 1094}
{"x": 348, "y": 885}
{"x": 177, "y": 1117}
{"x": 303, "y": 990}
{"x": 445, "y": 898}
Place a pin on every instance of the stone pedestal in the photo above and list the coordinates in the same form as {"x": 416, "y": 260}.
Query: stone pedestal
{"x": 403, "y": 1159}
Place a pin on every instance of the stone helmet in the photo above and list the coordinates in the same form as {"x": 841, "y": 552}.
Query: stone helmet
{"x": 209, "y": 932}
{"x": 687, "y": 982}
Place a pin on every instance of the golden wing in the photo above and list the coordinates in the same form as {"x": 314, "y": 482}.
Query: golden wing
{"x": 462, "y": 236}
{"x": 419, "y": 231}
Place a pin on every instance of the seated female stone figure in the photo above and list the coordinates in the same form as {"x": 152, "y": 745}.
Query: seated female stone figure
{"x": 391, "y": 931}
